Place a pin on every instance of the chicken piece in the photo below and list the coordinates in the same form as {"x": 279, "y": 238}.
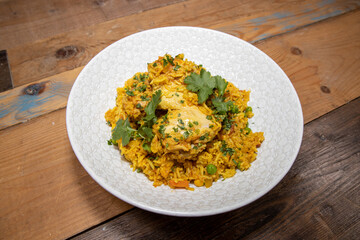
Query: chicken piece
{"x": 170, "y": 98}
{"x": 186, "y": 131}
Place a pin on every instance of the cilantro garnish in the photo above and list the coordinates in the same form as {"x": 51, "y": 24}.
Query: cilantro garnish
{"x": 154, "y": 64}
{"x": 170, "y": 60}
{"x": 162, "y": 130}
{"x": 144, "y": 97}
{"x": 142, "y": 88}
{"x": 151, "y": 107}
{"x": 221, "y": 84}
{"x": 203, "y": 84}
{"x": 186, "y": 134}
{"x": 165, "y": 62}
{"x": 177, "y": 67}
{"x": 130, "y": 93}
{"x": 122, "y": 131}
{"x": 221, "y": 106}
{"x": 225, "y": 150}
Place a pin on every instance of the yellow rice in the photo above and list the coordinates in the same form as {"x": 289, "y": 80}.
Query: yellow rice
{"x": 161, "y": 166}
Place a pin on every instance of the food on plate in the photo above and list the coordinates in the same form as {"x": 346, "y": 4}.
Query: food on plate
{"x": 181, "y": 126}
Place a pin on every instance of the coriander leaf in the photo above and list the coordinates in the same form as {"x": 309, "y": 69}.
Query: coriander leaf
{"x": 221, "y": 84}
{"x": 221, "y": 106}
{"x": 122, "y": 131}
{"x": 201, "y": 83}
{"x": 145, "y": 133}
{"x": 151, "y": 107}
{"x": 146, "y": 147}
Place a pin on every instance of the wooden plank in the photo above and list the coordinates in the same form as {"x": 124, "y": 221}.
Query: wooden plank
{"x": 35, "y": 99}
{"x": 63, "y": 52}
{"x": 300, "y": 53}
{"x": 45, "y": 192}
{"x": 24, "y": 21}
{"x": 308, "y": 204}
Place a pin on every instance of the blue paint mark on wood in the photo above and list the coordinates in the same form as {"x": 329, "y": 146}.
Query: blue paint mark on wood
{"x": 328, "y": 15}
{"x": 280, "y": 15}
{"x": 288, "y": 27}
{"x": 24, "y": 106}
{"x": 325, "y": 2}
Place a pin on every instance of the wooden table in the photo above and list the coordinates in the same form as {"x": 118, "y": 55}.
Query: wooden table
{"x": 46, "y": 194}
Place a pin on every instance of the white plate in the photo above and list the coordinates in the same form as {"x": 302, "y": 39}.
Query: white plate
{"x": 273, "y": 99}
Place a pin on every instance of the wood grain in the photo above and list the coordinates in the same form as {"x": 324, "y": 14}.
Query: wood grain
{"x": 317, "y": 199}
{"x": 36, "y": 99}
{"x": 24, "y": 21}
{"x": 45, "y": 192}
{"x": 244, "y": 19}
{"x": 300, "y": 54}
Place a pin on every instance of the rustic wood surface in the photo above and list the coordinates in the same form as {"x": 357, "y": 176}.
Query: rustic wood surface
{"x": 318, "y": 198}
{"x": 299, "y": 53}
{"x": 45, "y": 192}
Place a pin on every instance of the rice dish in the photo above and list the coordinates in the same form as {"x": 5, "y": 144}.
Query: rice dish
{"x": 181, "y": 126}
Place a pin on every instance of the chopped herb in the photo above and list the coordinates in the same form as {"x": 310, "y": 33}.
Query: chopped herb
{"x": 176, "y": 140}
{"x": 154, "y": 64}
{"x": 136, "y": 77}
{"x": 180, "y": 121}
{"x": 173, "y": 168}
{"x": 208, "y": 117}
{"x": 227, "y": 123}
{"x": 138, "y": 106}
{"x": 138, "y": 170}
{"x": 195, "y": 147}
{"x": 176, "y": 94}
{"x": 181, "y": 127}
{"x": 165, "y": 62}
{"x": 108, "y": 123}
{"x": 190, "y": 124}
{"x": 225, "y": 150}
{"x": 142, "y": 88}
{"x": 144, "y": 97}
{"x": 170, "y": 60}
{"x": 177, "y": 67}
{"x": 211, "y": 169}
{"x": 186, "y": 134}
{"x": 211, "y": 126}
{"x": 179, "y": 115}
{"x": 196, "y": 122}
{"x": 168, "y": 135}
{"x": 134, "y": 84}
{"x": 176, "y": 129}
{"x": 130, "y": 93}
{"x": 167, "y": 145}
{"x": 162, "y": 130}
{"x": 182, "y": 101}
